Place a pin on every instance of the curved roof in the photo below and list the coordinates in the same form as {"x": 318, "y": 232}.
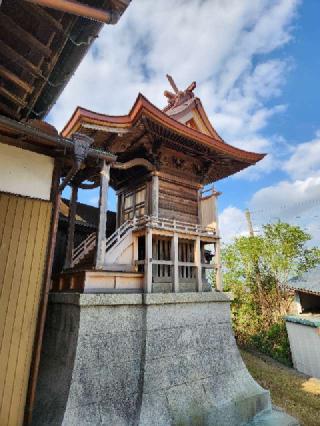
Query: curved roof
{"x": 144, "y": 108}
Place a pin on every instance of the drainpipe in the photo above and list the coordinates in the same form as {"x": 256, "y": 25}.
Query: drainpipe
{"x": 82, "y": 145}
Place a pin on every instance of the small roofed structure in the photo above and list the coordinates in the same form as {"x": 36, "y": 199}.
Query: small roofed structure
{"x": 303, "y": 327}
{"x": 166, "y": 217}
{"x": 307, "y": 291}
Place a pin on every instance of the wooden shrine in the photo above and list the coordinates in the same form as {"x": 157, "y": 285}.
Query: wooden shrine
{"x": 162, "y": 164}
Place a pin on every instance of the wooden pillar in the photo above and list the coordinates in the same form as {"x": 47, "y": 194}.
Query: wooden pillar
{"x": 155, "y": 196}
{"x": 135, "y": 251}
{"x": 148, "y": 262}
{"x": 175, "y": 259}
{"x": 56, "y": 199}
{"x": 199, "y": 206}
{"x": 197, "y": 261}
{"x": 71, "y": 226}
{"x": 103, "y": 204}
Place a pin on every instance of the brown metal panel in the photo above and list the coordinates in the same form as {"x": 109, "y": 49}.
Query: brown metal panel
{"x": 4, "y": 201}
{"x": 12, "y": 330}
{"x": 30, "y": 316}
{"x": 25, "y": 227}
{"x": 7, "y": 275}
{"x": 6, "y": 237}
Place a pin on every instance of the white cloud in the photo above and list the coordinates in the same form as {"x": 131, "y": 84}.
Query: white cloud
{"x": 295, "y": 200}
{"x": 276, "y": 198}
{"x": 220, "y": 44}
{"x": 232, "y": 222}
{"x": 305, "y": 161}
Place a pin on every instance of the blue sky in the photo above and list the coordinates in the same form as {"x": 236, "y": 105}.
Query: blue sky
{"x": 256, "y": 65}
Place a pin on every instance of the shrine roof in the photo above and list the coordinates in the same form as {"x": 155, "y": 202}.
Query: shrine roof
{"x": 144, "y": 111}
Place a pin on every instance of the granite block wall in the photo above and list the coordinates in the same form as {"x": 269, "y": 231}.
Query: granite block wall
{"x": 159, "y": 359}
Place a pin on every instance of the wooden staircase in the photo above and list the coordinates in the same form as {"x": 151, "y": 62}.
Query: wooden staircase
{"x": 83, "y": 254}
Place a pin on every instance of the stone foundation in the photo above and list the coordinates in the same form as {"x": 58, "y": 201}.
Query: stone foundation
{"x": 134, "y": 359}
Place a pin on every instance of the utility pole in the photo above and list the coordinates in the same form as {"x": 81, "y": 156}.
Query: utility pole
{"x": 249, "y": 221}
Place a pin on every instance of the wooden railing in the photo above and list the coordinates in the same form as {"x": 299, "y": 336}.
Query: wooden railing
{"x": 137, "y": 223}
{"x": 174, "y": 225}
{"x": 83, "y": 248}
{"x": 117, "y": 236}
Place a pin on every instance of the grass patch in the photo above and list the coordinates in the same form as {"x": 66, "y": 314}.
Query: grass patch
{"x": 295, "y": 393}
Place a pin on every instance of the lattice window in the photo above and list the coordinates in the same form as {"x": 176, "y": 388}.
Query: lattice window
{"x": 134, "y": 204}
{"x": 187, "y": 271}
{"x": 161, "y": 251}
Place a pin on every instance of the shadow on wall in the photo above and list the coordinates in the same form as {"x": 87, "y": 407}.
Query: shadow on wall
{"x": 56, "y": 366}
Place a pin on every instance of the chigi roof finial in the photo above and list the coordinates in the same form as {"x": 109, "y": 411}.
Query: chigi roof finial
{"x": 179, "y": 96}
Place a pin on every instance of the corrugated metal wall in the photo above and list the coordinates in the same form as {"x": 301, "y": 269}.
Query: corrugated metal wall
{"x": 24, "y": 229}
{"x": 305, "y": 348}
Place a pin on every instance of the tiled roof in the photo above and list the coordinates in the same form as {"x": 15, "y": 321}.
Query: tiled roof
{"x": 86, "y": 214}
{"x": 309, "y": 282}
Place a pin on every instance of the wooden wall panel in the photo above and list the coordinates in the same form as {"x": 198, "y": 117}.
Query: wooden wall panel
{"x": 178, "y": 202}
{"x": 208, "y": 213}
{"x": 24, "y": 229}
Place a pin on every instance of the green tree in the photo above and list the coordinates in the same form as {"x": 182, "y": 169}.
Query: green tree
{"x": 257, "y": 270}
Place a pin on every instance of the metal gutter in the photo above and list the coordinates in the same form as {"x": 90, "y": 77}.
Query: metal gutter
{"x": 58, "y": 140}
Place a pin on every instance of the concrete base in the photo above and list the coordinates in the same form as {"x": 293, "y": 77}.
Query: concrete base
{"x": 276, "y": 417}
{"x": 157, "y": 359}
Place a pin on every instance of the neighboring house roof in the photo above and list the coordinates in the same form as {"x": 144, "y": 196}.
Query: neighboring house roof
{"x": 309, "y": 282}
{"x": 310, "y": 319}
{"x": 86, "y": 215}
{"x": 40, "y": 49}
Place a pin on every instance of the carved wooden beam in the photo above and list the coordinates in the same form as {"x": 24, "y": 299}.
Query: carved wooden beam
{"x": 24, "y": 36}
{"x": 136, "y": 140}
{"x": 134, "y": 163}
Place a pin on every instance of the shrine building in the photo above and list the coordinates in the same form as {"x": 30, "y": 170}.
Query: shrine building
{"x": 134, "y": 333}
{"x": 161, "y": 163}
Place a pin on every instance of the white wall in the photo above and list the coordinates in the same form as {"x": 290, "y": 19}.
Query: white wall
{"x": 24, "y": 172}
{"x": 305, "y": 348}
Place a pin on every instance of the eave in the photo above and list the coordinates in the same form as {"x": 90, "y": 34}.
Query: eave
{"x": 41, "y": 49}
{"x": 144, "y": 108}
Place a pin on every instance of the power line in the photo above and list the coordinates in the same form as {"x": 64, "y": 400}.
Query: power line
{"x": 287, "y": 206}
